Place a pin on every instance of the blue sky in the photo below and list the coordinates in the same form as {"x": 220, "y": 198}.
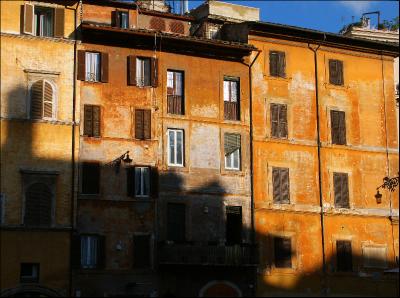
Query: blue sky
{"x": 328, "y": 16}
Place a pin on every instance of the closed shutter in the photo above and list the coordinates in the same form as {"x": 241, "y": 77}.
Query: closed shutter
{"x": 130, "y": 181}
{"x": 38, "y": 204}
{"x": 76, "y": 251}
{"x": 344, "y": 256}
{"x": 283, "y": 252}
{"x": 275, "y": 120}
{"x": 345, "y": 190}
{"x": 47, "y": 100}
{"x": 88, "y": 120}
{"x": 59, "y": 17}
{"x": 341, "y": 190}
{"x": 273, "y": 64}
{"x": 339, "y": 72}
{"x": 115, "y": 19}
{"x": 96, "y": 121}
{"x": 338, "y": 127}
{"x": 139, "y": 128}
{"x": 284, "y": 177}
{"x": 101, "y": 252}
{"x": 176, "y": 222}
{"x": 104, "y": 67}
{"x": 342, "y": 128}
{"x": 141, "y": 251}
{"x": 231, "y": 143}
{"x": 154, "y": 182}
{"x": 90, "y": 178}
{"x": 29, "y": 18}
{"x": 37, "y": 100}
{"x": 336, "y": 72}
{"x": 154, "y": 72}
{"x": 282, "y": 121}
{"x": 132, "y": 70}
{"x": 280, "y": 183}
{"x": 147, "y": 124}
{"x": 281, "y": 64}
{"x": 276, "y": 185}
{"x": 81, "y": 65}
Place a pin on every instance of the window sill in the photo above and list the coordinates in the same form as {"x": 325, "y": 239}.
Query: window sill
{"x": 227, "y": 172}
{"x": 273, "y": 78}
{"x": 91, "y": 137}
{"x": 338, "y": 87}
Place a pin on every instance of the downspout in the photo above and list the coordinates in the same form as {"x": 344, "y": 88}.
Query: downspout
{"x": 253, "y": 238}
{"x": 324, "y": 279}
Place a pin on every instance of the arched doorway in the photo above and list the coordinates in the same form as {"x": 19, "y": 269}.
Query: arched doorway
{"x": 220, "y": 288}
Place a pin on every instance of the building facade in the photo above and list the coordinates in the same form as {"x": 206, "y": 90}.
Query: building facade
{"x": 37, "y": 146}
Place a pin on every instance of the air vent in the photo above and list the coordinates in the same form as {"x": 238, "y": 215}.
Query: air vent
{"x": 157, "y": 24}
{"x": 177, "y": 27}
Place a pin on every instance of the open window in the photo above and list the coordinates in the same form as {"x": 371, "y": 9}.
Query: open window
{"x": 43, "y": 21}
{"x": 231, "y": 98}
{"x": 92, "y": 66}
{"x": 175, "y": 92}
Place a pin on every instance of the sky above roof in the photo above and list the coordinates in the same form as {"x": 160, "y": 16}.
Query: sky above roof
{"x": 329, "y": 16}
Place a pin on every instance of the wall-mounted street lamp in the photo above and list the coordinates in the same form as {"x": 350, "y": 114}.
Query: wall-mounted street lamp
{"x": 117, "y": 162}
{"x": 388, "y": 183}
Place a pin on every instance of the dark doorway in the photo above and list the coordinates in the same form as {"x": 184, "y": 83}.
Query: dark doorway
{"x": 233, "y": 225}
{"x": 176, "y": 221}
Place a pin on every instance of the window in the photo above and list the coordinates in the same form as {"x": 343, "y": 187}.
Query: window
{"x": 233, "y": 225}
{"x": 38, "y": 205}
{"x": 143, "y": 124}
{"x": 341, "y": 190}
{"x": 92, "y": 251}
{"x": 338, "y": 127}
{"x": 175, "y": 93}
{"x": 279, "y": 121}
{"x": 120, "y": 19}
{"x": 344, "y": 260}
{"x": 280, "y": 182}
{"x": 282, "y": 252}
{"x": 141, "y": 251}
{"x": 335, "y": 72}
{"x": 374, "y": 256}
{"x": 143, "y": 70}
{"x": 231, "y": 99}
{"x": 176, "y": 222}
{"x": 29, "y": 272}
{"x": 92, "y": 66}
{"x": 213, "y": 33}
{"x": 91, "y": 124}
{"x": 175, "y": 147}
{"x": 138, "y": 182}
{"x": 90, "y": 178}
{"x": 277, "y": 64}
{"x": 43, "y": 21}
{"x": 232, "y": 144}
{"x": 42, "y": 100}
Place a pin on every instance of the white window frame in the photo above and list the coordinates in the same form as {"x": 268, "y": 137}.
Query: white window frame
{"x": 175, "y": 153}
{"x": 121, "y": 14}
{"x": 141, "y": 71}
{"x": 230, "y": 159}
{"x": 231, "y": 91}
{"x": 89, "y": 253}
{"x": 41, "y": 20}
{"x": 141, "y": 184}
{"x": 92, "y": 66}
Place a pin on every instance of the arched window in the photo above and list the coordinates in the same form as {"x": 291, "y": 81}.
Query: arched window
{"x": 38, "y": 199}
{"x": 42, "y": 100}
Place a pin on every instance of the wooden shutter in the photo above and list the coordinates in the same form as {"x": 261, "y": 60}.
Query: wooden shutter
{"x": 81, "y": 65}
{"x": 130, "y": 181}
{"x": 104, "y": 67}
{"x": 274, "y": 120}
{"x": 141, "y": 251}
{"x": 132, "y": 70}
{"x": 345, "y": 190}
{"x": 176, "y": 222}
{"x": 273, "y": 64}
{"x": 341, "y": 190}
{"x": 335, "y": 127}
{"x": 59, "y": 19}
{"x": 281, "y": 64}
{"x": 342, "y": 128}
{"x": 96, "y": 121}
{"x": 283, "y": 252}
{"x": 115, "y": 19}
{"x": 37, "y": 100}
{"x": 101, "y": 252}
{"x": 76, "y": 251}
{"x": 38, "y": 202}
{"x": 284, "y": 177}
{"x": 154, "y": 182}
{"x": 29, "y": 18}
{"x": 88, "y": 121}
{"x": 276, "y": 184}
{"x": 282, "y": 121}
{"x": 336, "y": 72}
{"x": 154, "y": 72}
{"x": 139, "y": 125}
{"x": 344, "y": 256}
{"x": 147, "y": 124}
{"x": 47, "y": 100}
{"x": 90, "y": 178}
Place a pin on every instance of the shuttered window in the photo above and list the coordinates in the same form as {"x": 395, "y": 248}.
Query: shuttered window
{"x": 44, "y": 21}
{"x": 91, "y": 125}
{"x": 143, "y": 124}
{"x": 141, "y": 251}
{"x": 142, "y": 182}
{"x": 176, "y": 222}
{"x": 231, "y": 98}
{"x": 232, "y": 148}
{"x": 341, "y": 190}
{"x": 277, "y": 64}
{"x": 280, "y": 182}
{"x": 42, "y": 100}
{"x": 175, "y": 92}
{"x": 120, "y": 19}
{"x": 336, "y": 72}
{"x": 92, "y": 252}
{"x": 338, "y": 127}
{"x": 92, "y": 66}
{"x": 90, "y": 178}
{"x": 233, "y": 225}
{"x": 344, "y": 259}
{"x": 282, "y": 252}
{"x": 375, "y": 256}
{"x": 38, "y": 205}
{"x": 279, "y": 121}
{"x": 175, "y": 147}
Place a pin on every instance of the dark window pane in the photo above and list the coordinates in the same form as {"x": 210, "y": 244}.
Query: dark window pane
{"x": 38, "y": 202}
{"x": 90, "y": 178}
{"x": 233, "y": 225}
{"x": 344, "y": 256}
{"x": 141, "y": 251}
{"x": 176, "y": 222}
{"x": 283, "y": 252}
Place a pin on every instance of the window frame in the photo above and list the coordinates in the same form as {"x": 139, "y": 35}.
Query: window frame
{"x": 341, "y": 176}
{"x": 351, "y": 266}
{"x": 54, "y": 98}
{"x": 97, "y": 78}
{"x": 279, "y": 107}
{"x": 292, "y": 255}
{"x": 82, "y": 177}
{"x": 174, "y": 96}
{"x": 340, "y": 81}
{"x": 150, "y": 244}
{"x": 230, "y": 158}
{"x": 141, "y": 60}
{"x": 279, "y": 73}
{"x": 30, "y": 278}
{"x": 336, "y": 136}
{"x": 121, "y": 13}
{"x": 97, "y": 251}
{"x": 280, "y": 169}
{"x": 142, "y": 179}
{"x": 91, "y": 135}
{"x": 175, "y": 164}
{"x": 229, "y": 99}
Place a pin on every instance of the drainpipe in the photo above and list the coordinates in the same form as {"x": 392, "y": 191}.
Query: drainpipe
{"x": 253, "y": 238}
{"x": 324, "y": 280}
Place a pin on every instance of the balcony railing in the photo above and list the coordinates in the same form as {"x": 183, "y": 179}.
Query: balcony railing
{"x": 175, "y": 104}
{"x": 231, "y": 110}
{"x": 200, "y": 254}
